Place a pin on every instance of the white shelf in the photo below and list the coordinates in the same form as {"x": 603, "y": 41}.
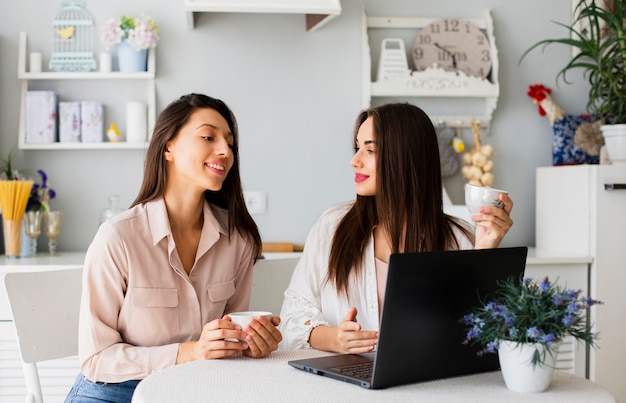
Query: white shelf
{"x": 90, "y": 75}
{"x": 105, "y": 145}
{"x": 318, "y": 12}
{"x": 432, "y": 82}
{"x": 148, "y": 77}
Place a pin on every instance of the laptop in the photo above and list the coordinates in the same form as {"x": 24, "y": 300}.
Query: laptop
{"x": 421, "y": 329}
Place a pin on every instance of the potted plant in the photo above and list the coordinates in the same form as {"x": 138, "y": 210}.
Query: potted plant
{"x": 599, "y": 39}
{"x": 134, "y": 36}
{"x": 528, "y": 321}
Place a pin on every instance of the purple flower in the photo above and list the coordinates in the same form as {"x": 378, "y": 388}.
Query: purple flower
{"x": 473, "y": 333}
{"x": 547, "y": 338}
{"x": 533, "y": 332}
{"x": 492, "y": 346}
{"x": 573, "y": 307}
{"x": 40, "y": 194}
{"x": 569, "y": 320}
{"x": 558, "y": 299}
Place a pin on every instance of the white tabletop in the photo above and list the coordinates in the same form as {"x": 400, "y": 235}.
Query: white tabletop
{"x": 244, "y": 379}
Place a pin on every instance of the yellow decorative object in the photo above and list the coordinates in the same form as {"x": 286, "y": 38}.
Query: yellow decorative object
{"x": 65, "y": 33}
{"x": 113, "y": 134}
{"x": 458, "y": 145}
{"x": 478, "y": 166}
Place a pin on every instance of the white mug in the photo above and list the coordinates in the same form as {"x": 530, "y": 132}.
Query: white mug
{"x": 477, "y": 196}
{"x": 244, "y": 318}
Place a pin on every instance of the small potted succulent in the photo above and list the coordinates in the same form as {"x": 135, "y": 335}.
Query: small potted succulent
{"x": 598, "y": 37}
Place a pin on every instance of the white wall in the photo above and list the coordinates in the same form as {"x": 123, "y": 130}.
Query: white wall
{"x": 296, "y": 95}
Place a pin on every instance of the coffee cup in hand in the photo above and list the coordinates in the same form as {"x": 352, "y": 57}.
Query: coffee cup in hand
{"x": 244, "y": 318}
{"x": 477, "y": 196}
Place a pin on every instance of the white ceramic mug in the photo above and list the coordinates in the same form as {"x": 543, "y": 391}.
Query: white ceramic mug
{"x": 477, "y": 196}
{"x": 243, "y": 318}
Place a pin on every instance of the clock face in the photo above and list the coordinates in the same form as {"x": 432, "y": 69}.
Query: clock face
{"x": 453, "y": 45}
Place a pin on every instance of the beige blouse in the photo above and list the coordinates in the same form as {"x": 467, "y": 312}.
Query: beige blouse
{"x": 138, "y": 303}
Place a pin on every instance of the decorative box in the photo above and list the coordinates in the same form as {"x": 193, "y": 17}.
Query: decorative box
{"x": 91, "y": 122}
{"x": 69, "y": 122}
{"x": 40, "y": 117}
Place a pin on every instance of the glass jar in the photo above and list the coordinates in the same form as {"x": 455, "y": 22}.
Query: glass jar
{"x": 112, "y": 210}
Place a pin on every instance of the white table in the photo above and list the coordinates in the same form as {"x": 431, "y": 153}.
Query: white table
{"x": 244, "y": 379}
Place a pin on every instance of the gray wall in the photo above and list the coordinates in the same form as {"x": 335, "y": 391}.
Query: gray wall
{"x": 296, "y": 95}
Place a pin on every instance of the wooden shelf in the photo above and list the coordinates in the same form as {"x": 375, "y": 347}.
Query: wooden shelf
{"x": 318, "y": 12}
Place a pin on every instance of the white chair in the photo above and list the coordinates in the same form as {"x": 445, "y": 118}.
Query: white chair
{"x": 45, "y": 306}
{"x": 269, "y": 282}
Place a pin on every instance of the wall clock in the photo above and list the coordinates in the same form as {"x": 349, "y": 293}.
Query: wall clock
{"x": 454, "y": 45}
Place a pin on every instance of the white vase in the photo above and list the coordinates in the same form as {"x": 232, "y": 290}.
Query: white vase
{"x": 518, "y": 370}
{"x": 615, "y": 142}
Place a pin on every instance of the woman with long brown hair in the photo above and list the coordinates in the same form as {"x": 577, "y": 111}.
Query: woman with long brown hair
{"x": 160, "y": 278}
{"x": 398, "y": 209}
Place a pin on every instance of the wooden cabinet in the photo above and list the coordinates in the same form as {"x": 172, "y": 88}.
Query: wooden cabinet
{"x": 111, "y": 83}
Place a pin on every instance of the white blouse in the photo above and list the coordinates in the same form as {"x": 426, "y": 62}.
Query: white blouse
{"x": 311, "y": 301}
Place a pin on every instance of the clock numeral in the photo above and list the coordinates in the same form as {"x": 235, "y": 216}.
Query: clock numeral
{"x": 450, "y": 25}
{"x": 486, "y": 55}
{"x": 461, "y": 56}
{"x": 418, "y": 53}
{"x": 480, "y": 39}
{"x": 424, "y": 39}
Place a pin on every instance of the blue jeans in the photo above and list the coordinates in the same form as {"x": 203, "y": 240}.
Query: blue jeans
{"x": 85, "y": 391}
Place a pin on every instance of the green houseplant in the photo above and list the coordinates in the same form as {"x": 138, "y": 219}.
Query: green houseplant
{"x": 597, "y": 34}
{"x": 531, "y": 316}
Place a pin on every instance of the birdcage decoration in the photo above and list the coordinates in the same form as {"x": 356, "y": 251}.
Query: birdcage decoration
{"x": 72, "y": 38}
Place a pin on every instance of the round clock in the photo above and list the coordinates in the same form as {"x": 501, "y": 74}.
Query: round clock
{"x": 453, "y": 45}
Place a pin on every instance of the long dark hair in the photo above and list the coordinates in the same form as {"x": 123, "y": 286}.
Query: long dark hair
{"x": 230, "y": 196}
{"x": 408, "y": 202}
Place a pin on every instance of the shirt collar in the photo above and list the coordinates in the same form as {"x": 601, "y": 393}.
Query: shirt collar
{"x": 215, "y": 221}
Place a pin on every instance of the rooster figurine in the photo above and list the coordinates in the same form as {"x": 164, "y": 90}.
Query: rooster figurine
{"x": 576, "y": 139}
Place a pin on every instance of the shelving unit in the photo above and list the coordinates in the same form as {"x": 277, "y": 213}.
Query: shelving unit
{"x": 318, "y": 12}
{"x": 26, "y": 77}
{"x": 433, "y": 82}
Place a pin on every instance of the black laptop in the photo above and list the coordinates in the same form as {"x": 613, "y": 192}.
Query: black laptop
{"x": 421, "y": 329}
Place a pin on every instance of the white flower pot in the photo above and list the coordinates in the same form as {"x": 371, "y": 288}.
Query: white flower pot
{"x": 518, "y": 370}
{"x": 615, "y": 141}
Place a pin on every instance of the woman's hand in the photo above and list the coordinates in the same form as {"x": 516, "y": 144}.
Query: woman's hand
{"x": 493, "y": 223}
{"x": 348, "y": 338}
{"x": 262, "y": 336}
{"x": 217, "y": 340}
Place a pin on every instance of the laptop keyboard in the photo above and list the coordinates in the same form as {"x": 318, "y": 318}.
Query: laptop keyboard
{"x": 360, "y": 371}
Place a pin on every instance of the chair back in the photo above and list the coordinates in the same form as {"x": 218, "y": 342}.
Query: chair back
{"x": 45, "y": 307}
{"x": 269, "y": 282}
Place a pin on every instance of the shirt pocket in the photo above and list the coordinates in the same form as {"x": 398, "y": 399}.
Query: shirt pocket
{"x": 154, "y": 316}
{"x": 218, "y": 294}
